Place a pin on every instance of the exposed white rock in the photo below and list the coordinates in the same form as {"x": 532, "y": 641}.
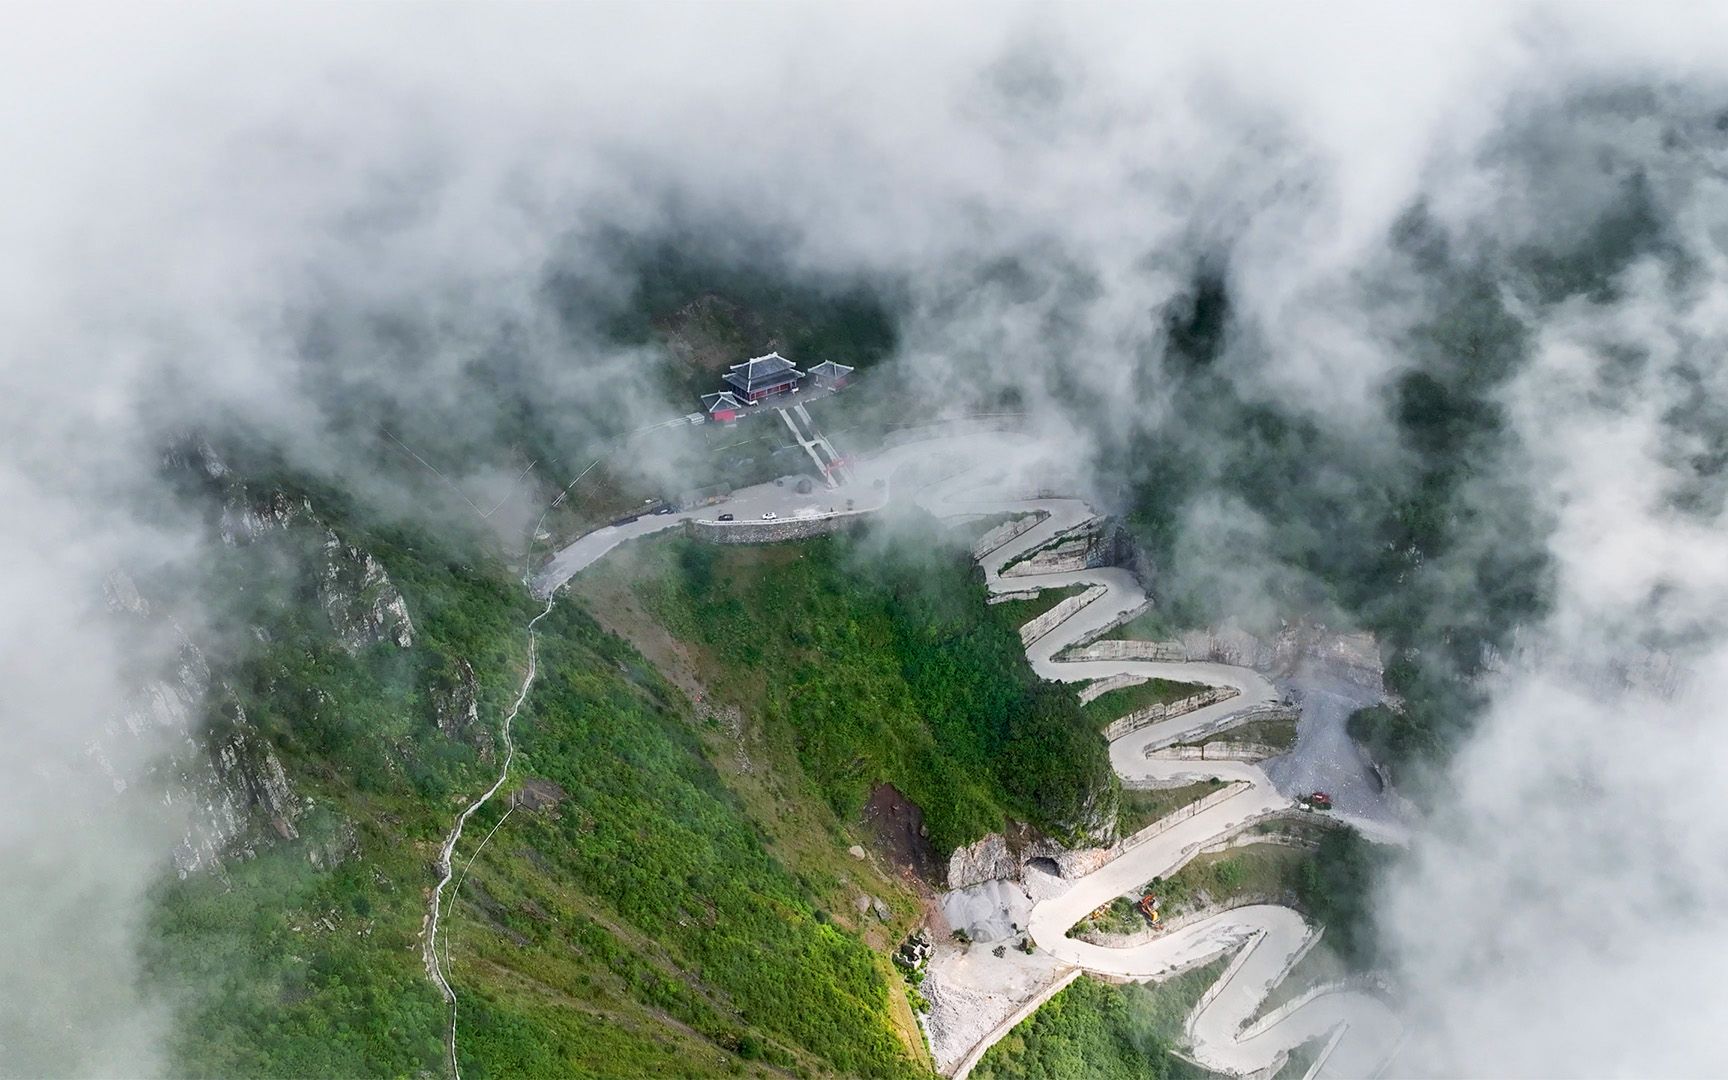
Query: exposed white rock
{"x": 456, "y": 710}
{"x": 122, "y": 594}
{"x": 245, "y": 521}
{"x": 971, "y": 990}
{"x": 364, "y": 605}
{"x": 988, "y": 912}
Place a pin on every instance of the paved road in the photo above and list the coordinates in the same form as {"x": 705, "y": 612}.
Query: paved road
{"x": 1267, "y": 938}
{"x": 982, "y": 474}
{"x": 873, "y": 482}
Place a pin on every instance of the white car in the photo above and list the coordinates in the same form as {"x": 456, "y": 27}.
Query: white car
{"x": 769, "y": 516}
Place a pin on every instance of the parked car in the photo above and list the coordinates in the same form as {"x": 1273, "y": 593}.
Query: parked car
{"x": 769, "y": 516}
{"x": 725, "y": 517}
{"x": 664, "y": 510}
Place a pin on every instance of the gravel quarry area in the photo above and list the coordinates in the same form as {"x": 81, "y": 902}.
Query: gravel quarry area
{"x": 990, "y": 912}
{"x": 1325, "y": 758}
{"x": 972, "y": 991}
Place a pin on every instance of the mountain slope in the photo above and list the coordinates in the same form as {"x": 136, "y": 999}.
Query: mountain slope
{"x": 628, "y": 918}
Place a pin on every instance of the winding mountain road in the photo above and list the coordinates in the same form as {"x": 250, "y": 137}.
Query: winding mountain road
{"x": 981, "y": 473}
{"x": 1361, "y": 1032}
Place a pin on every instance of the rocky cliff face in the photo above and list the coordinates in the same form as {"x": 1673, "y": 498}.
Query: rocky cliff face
{"x": 241, "y": 796}
{"x": 364, "y": 605}
{"x": 221, "y": 772}
{"x": 1004, "y": 856}
{"x": 999, "y": 857}
{"x": 456, "y": 710}
{"x": 246, "y": 518}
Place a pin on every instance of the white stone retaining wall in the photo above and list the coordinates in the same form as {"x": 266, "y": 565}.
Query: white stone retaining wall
{"x": 1005, "y": 532}
{"x": 1354, "y": 655}
{"x": 992, "y": 858}
{"x": 1121, "y": 620}
{"x": 1169, "y": 926}
{"x": 1223, "y": 723}
{"x": 1086, "y": 860}
{"x": 1053, "y": 618}
{"x": 1248, "y": 838}
{"x": 1152, "y": 714}
{"x": 1368, "y": 981}
{"x": 1114, "y": 682}
{"x": 1175, "y": 817}
{"x": 1064, "y": 557}
{"x": 1217, "y": 988}
{"x": 769, "y": 532}
{"x": 1216, "y": 752}
{"x": 1129, "y": 650}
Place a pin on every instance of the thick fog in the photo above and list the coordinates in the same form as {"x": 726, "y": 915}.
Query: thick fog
{"x": 315, "y": 226}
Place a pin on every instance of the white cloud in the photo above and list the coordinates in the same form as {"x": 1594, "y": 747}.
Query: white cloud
{"x": 187, "y": 187}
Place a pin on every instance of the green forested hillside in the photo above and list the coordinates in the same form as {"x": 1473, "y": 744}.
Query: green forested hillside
{"x": 631, "y": 918}
{"x": 1098, "y": 1031}
{"x": 879, "y": 661}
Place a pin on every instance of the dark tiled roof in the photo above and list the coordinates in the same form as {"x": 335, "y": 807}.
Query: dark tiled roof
{"x": 762, "y": 372}
{"x": 723, "y": 400}
{"x": 828, "y": 369}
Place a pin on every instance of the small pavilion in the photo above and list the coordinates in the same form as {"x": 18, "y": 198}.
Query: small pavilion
{"x": 722, "y": 408}
{"x": 830, "y": 375}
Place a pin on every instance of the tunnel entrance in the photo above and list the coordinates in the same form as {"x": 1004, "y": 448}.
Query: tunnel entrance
{"x": 1047, "y": 865}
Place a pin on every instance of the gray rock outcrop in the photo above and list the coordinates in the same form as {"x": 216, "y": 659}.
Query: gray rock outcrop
{"x": 456, "y": 710}
{"x": 363, "y": 604}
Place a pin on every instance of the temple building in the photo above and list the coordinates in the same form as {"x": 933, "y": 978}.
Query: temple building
{"x": 829, "y": 374}
{"x": 763, "y": 376}
{"x": 722, "y": 408}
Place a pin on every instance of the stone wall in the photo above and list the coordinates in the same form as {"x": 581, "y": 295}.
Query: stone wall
{"x": 768, "y": 532}
{"x": 1152, "y": 714}
{"x": 1129, "y": 650}
{"x": 1216, "y": 752}
{"x": 1217, "y": 988}
{"x": 1175, "y": 923}
{"x": 1175, "y": 817}
{"x": 1126, "y": 617}
{"x": 1355, "y": 656}
{"x": 1363, "y": 982}
{"x": 1053, "y": 618}
{"x": 1005, "y": 532}
{"x": 1115, "y": 682}
{"x": 703, "y": 496}
{"x": 1225, "y": 723}
{"x": 1066, "y": 555}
